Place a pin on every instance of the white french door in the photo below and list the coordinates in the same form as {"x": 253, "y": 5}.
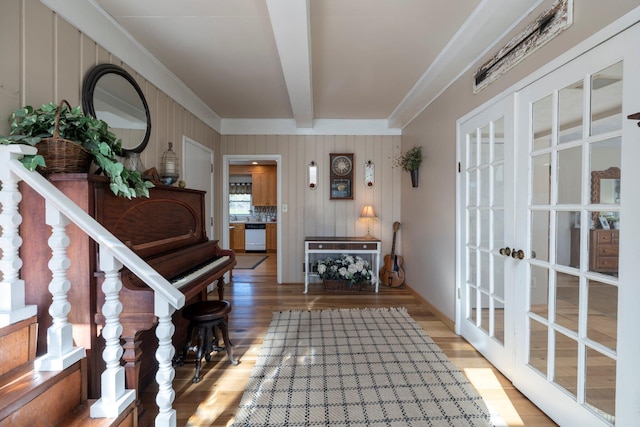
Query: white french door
{"x": 486, "y": 217}
{"x": 566, "y": 215}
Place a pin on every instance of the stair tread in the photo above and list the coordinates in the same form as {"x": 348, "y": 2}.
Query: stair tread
{"x": 20, "y": 382}
{"x": 80, "y": 417}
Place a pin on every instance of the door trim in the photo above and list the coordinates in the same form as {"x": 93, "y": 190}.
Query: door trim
{"x": 226, "y": 159}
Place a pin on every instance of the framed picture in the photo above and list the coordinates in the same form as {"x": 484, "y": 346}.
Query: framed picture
{"x": 341, "y": 176}
{"x": 604, "y": 223}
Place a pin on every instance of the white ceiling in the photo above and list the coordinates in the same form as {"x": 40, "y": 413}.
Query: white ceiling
{"x": 314, "y": 64}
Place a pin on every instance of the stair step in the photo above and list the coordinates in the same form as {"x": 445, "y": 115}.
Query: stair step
{"x": 34, "y": 398}
{"x": 80, "y": 417}
{"x": 18, "y": 344}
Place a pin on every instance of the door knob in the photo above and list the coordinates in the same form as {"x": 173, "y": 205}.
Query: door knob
{"x": 505, "y": 251}
{"x": 517, "y": 254}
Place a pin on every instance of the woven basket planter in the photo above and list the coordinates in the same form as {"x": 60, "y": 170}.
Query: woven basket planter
{"x": 340, "y": 286}
{"x": 62, "y": 155}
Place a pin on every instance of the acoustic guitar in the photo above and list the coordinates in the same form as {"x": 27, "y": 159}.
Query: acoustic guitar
{"x": 392, "y": 274}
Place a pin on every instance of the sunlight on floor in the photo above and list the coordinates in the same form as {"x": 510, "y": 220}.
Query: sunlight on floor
{"x": 487, "y": 384}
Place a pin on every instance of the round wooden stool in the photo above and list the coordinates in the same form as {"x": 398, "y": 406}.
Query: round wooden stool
{"x": 207, "y": 316}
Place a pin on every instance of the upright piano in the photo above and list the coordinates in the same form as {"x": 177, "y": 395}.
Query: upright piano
{"x": 168, "y": 230}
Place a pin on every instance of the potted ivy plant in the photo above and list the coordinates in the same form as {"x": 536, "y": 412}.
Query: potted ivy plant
{"x": 62, "y": 122}
{"x": 411, "y": 161}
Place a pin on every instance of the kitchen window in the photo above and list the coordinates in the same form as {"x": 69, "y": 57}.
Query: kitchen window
{"x": 239, "y": 204}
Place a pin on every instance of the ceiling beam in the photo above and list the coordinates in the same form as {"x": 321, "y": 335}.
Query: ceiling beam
{"x": 290, "y": 22}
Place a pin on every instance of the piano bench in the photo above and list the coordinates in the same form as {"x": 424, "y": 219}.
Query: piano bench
{"x": 206, "y": 317}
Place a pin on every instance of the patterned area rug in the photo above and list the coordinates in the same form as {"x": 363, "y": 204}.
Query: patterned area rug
{"x": 355, "y": 368}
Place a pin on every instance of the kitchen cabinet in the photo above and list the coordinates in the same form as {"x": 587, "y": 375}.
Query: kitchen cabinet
{"x": 236, "y": 236}
{"x": 264, "y": 186}
{"x": 264, "y": 183}
{"x": 272, "y": 237}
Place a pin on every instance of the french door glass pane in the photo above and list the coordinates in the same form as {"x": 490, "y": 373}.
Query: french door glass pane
{"x": 540, "y": 234}
{"x": 569, "y": 175}
{"x": 472, "y": 312}
{"x": 485, "y": 223}
{"x": 606, "y": 100}
{"x": 485, "y": 147}
{"x": 539, "y": 291}
{"x": 485, "y": 271}
{"x": 498, "y": 231}
{"x": 485, "y": 185}
{"x": 472, "y": 232}
{"x": 567, "y": 301}
{"x": 498, "y": 136}
{"x": 498, "y": 318}
{"x": 484, "y": 315}
{"x": 568, "y": 238}
{"x": 472, "y": 269}
{"x": 472, "y": 193}
{"x": 570, "y": 110}
{"x": 601, "y": 383}
{"x": 538, "y": 346}
{"x": 566, "y": 369}
{"x": 542, "y": 110}
{"x": 606, "y": 158}
{"x": 472, "y": 150}
{"x": 602, "y": 313}
{"x": 541, "y": 179}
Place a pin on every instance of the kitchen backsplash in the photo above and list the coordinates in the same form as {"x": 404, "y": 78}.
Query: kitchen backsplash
{"x": 268, "y": 211}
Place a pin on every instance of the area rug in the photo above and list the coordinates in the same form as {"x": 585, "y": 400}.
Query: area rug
{"x": 248, "y": 262}
{"x": 355, "y": 367}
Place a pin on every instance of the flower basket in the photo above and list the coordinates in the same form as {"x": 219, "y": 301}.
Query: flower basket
{"x": 343, "y": 274}
{"x": 62, "y": 155}
{"x": 341, "y": 286}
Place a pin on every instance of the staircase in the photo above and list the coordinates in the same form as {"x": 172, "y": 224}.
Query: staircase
{"x": 51, "y": 390}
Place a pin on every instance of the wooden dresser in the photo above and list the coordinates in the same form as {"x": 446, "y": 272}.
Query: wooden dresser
{"x": 603, "y": 250}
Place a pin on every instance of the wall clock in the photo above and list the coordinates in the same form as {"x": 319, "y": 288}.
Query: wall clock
{"x": 341, "y": 175}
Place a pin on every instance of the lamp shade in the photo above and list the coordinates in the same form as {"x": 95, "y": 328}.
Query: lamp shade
{"x": 368, "y": 212}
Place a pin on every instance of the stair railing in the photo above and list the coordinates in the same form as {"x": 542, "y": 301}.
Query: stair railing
{"x": 113, "y": 255}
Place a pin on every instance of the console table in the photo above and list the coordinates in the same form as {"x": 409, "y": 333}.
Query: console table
{"x": 341, "y": 245}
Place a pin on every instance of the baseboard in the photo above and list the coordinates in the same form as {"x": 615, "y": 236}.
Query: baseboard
{"x": 440, "y": 315}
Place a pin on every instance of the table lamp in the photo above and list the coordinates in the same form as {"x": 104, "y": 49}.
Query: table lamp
{"x": 368, "y": 214}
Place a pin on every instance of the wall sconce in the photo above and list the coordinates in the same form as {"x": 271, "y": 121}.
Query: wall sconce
{"x": 369, "y": 174}
{"x": 368, "y": 214}
{"x": 313, "y": 175}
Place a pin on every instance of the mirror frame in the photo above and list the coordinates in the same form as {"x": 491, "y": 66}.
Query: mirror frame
{"x": 611, "y": 173}
{"x": 88, "y": 88}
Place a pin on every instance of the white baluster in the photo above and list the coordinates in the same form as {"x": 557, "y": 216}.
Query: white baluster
{"x": 164, "y": 355}
{"x": 114, "y": 397}
{"x": 60, "y": 351}
{"x": 12, "y": 303}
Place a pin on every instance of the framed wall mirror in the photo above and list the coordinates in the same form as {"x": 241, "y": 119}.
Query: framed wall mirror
{"x": 111, "y": 94}
{"x": 605, "y": 188}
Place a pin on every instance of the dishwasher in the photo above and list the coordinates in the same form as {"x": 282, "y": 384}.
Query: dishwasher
{"x": 255, "y": 237}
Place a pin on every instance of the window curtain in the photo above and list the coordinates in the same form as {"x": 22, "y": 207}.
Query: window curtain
{"x": 240, "y": 188}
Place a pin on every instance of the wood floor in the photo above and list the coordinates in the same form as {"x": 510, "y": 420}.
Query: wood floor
{"x": 254, "y": 295}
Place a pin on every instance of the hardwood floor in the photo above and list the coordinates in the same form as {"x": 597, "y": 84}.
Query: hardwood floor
{"x": 254, "y": 295}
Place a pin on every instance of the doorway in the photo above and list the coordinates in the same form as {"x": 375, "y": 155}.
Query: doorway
{"x": 245, "y": 159}
{"x": 199, "y": 175}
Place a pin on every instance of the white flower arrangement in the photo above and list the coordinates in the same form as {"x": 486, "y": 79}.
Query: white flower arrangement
{"x": 353, "y": 269}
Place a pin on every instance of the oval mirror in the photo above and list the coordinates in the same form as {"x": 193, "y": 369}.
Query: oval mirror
{"x": 109, "y": 93}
